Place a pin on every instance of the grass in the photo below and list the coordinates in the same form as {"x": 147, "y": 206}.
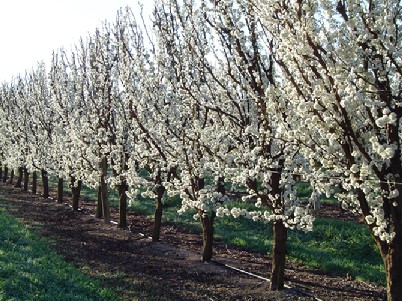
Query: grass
{"x": 30, "y": 270}
{"x": 339, "y": 247}
{"x": 334, "y": 246}
{"x": 304, "y": 192}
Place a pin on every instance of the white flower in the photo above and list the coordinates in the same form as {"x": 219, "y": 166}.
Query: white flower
{"x": 235, "y": 212}
{"x": 354, "y": 168}
{"x": 388, "y": 153}
{"x": 221, "y": 211}
{"x": 393, "y": 194}
{"x": 369, "y": 219}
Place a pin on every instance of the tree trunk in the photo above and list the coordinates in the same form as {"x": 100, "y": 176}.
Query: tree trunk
{"x": 1, "y": 172}
{"x": 392, "y": 257}
{"x": 99, "y": 210}
{"x": 280, "y": 234}
{"x": 278, "y": 256}
{"x": 45, "y": 182}
{"x": 20, "y": 176}
{"x": 207, "y": 223}
{"x": 60, "y": 190}
{"x": 158, "y": 212}
{"x": 103, "y": 185}
{"x": 317, "y": 203}
{"x": 11, "y": 177}
{"x": 26, "y": 179}
{"x": 123, "y": 187}
{"x": 5, "y": 176}
{"x": 34, "y": 182}
{"x": 76, "y": 191}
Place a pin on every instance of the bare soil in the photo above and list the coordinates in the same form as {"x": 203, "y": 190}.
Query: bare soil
{"x": 138, "y": 269}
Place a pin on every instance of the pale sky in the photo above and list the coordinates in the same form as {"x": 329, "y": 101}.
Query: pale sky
{"x": 31, "y": 29}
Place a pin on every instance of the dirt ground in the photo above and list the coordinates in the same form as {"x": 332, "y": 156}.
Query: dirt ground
{"x": 128, "y": 262}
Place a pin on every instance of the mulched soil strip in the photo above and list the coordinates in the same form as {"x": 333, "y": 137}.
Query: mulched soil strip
{"x": 302, "y": 293}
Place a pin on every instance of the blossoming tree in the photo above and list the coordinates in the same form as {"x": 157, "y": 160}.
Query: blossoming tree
{"x": 341, "y": 67}
{"x": 220, "y": 71}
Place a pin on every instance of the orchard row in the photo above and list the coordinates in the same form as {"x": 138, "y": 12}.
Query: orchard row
{"x": 221, "y": 96}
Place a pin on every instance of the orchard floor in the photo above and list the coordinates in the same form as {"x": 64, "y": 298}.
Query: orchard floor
{"x": 137, "y": 269}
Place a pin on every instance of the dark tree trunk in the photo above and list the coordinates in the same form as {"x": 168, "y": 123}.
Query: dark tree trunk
{"x": 103, "y": 185}
{"x": 278, "y": 256}
{"x": 160, "y": 190}
{"x": 5, "y": 176}
{"x": 1, "y": 172}
{"x": 156, "y": 232}
{"x": 123, "y": 187}
{"x": 34, "y": 182}
{"x": 76, "y": 191}
{"x": 221, "y": 185}
{"x": 11, "y": 177}
{"x": 60, "y": 190}
{"x": 99, "y": 209}
{"x": 20, "y": 176}
{"x": 26, "y": 179}
{"x": 391, "y": 253}
{"x": 280, "y": 236}
{"x": 45, "y": 182}
{"x": 207, "y": 222}
{"x": 392, "y": 257}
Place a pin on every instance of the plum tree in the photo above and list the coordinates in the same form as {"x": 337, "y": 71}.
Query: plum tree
{"x": 341, "y": 91}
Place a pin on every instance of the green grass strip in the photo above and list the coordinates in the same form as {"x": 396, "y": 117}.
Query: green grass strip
{"x": 30, "y": 270}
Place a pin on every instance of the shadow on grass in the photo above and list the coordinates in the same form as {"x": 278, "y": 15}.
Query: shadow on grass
{"x": 339, "y": 247}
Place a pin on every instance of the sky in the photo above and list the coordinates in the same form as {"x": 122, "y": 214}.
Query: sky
{"x": 31, "y": 29}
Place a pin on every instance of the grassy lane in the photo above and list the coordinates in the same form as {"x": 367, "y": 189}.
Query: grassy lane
{"x": 30, "y": 270}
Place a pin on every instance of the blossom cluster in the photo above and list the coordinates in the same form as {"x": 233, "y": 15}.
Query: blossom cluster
{"x": 340, "y": 96}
